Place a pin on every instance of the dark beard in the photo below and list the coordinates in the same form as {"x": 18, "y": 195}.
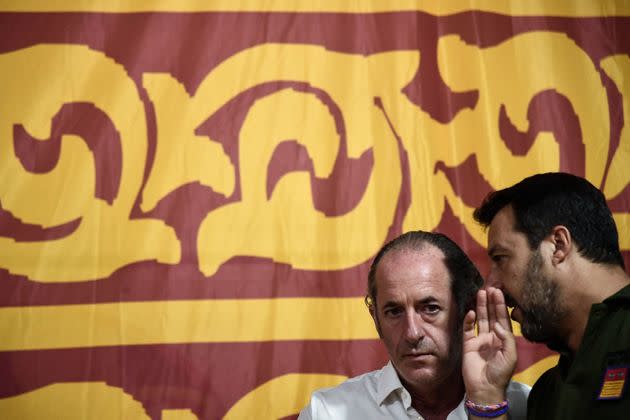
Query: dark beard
{"x": 542, "y": 311}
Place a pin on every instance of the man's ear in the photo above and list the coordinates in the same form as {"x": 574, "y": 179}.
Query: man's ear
{"x": 562, "y": 244}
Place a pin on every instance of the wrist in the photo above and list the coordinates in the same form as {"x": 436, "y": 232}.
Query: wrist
{"x": 488, "y": 397}
{"x": 486, "y": 410}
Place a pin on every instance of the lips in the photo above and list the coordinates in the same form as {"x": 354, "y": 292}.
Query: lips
{"x": 511, "y": 303}
{"x": 417, "y": 356}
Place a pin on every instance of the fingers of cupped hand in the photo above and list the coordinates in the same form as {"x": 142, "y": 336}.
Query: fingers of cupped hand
{"x": 482, "y": 312}
{"x": 497, "y": 309}
{"x": 469, "y": 325}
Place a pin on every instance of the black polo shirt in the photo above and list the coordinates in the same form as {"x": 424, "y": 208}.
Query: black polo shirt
{"x": 593, "y": 383}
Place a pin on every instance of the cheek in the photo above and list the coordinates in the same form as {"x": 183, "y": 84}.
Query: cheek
{"x": 390, "y": 336}
{"x": 440, "y": 335}
{"x": 502, "y": 274}
{"x": 514, "y": 275}
{"x": 511, "y": 270}
{"x": 506, "y": 273}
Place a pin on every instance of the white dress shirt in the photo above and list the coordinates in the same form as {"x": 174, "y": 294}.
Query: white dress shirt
{"x": 381, "y": 395}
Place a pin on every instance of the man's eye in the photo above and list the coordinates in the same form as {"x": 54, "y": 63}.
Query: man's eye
{"x": 497, "y": 258}
{"x": 432, "y": 309}
{"x": 392, "y": 312}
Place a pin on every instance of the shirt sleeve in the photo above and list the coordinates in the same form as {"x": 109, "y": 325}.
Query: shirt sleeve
{"x": 320, "y": 408}
{"x": 314, "y": 409}
{"x": 517, "y": 394}
{"x": 306, "y": 413}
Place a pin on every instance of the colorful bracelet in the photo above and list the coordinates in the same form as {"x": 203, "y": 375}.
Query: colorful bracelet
{"x": 489, "y": 411}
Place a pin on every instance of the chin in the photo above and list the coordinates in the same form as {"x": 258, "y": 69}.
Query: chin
{"x": 422, "y": 376}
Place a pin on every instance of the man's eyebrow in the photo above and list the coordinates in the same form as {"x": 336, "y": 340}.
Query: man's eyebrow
{"x": 423, "y": 301}
{"x": 390, "y": 304}
{"x": 429, "y": 299}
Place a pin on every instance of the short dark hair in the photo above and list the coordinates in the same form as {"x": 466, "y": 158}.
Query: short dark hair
{"x": 464, "y": 276}
{"x": 543, "y": 201}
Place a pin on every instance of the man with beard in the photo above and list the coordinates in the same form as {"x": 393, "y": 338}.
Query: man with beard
{"x": 555, "y": 254}
{"x": 420, "y": 287}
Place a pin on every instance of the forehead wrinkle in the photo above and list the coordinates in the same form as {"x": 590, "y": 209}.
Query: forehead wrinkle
{"x": 411, "y": 274}
{"x": 425, "y": 252}
{"x": 502, "y": 237}
{"x": 425, "y": 300}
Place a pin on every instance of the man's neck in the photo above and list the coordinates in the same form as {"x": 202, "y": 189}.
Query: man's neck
{"x": 591, "y": 285}
{"x": 436, "y": 402}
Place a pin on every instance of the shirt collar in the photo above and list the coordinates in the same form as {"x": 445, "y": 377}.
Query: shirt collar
{"x": 389, "y": 382}
{"x": 621, "y": 296}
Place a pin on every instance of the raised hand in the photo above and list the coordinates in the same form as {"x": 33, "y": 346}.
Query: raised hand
{"x": 489, "y": 357}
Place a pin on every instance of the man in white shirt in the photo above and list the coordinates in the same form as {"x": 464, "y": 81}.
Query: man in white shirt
{"x": 421, "y": 285}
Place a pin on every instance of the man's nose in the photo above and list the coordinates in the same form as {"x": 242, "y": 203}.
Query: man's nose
{"x": 414, "y": 329}
{"x": 493, "y": 280}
